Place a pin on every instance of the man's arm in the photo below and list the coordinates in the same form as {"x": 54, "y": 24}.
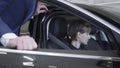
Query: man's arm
{"x": 6, "y": 34}
{"x": 3, "y": 27}
{"x": 5, "y": 31}
{"x": 4, "y": 4}
{"x": 21, "y": 42}
{"x": 11, "y": 40}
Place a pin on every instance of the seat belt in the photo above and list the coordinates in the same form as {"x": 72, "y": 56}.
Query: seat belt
{"x": 57, "y": 41}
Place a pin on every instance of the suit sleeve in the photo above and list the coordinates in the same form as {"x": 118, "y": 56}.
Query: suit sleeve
{"x": 3, "y": 27}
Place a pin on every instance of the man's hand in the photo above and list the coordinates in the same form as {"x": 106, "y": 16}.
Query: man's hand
{"x": 41, "y": 8}
{"x": 22, "y": 43}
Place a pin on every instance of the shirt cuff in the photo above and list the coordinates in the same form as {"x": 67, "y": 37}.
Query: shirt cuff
{"x": 6, "y": 37}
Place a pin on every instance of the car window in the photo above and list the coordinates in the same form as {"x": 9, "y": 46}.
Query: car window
{"x": 59, "y": 28}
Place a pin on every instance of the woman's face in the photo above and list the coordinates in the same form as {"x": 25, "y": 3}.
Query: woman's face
{"x": 83, "y": 37}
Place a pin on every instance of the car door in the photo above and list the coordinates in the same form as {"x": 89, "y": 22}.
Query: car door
{"x": 66, "y": 58}
{"x": 98, "y": 19}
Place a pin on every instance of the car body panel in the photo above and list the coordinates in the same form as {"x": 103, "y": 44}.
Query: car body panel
{"x": 58, "y": 58}
{"x": 53, "y": 58}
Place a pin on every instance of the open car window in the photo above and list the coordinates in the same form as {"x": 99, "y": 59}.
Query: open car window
{"x": 58, "y": 27}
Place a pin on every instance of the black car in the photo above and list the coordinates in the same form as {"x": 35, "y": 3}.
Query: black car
{"x": 50, "y": 32}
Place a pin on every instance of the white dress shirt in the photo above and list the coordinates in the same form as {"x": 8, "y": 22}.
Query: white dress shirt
{"x": 6, "y": 37}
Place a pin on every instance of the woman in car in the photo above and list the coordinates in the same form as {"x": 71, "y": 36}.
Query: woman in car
{"x": 79, "y": 33}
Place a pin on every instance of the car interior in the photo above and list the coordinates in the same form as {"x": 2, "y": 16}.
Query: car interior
{"x": 58, "y": 37}
{"x": 52, "y": 31}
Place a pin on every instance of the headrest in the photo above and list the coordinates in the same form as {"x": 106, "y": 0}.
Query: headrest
{"x": 93, "y": 30}
{"x": 58, "y": 27}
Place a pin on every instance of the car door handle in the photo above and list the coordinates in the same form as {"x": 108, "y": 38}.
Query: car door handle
{"x": 105, "y": 64}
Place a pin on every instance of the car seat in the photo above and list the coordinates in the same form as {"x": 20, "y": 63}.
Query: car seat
{"x": 92, "y": 42}
{"x": 57, "y": 33}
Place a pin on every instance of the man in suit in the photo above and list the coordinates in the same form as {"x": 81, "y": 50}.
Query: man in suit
{"x": 13, "y": 14}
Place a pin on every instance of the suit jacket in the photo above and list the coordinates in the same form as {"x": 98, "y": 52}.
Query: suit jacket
{"x": 14, "y": 13}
